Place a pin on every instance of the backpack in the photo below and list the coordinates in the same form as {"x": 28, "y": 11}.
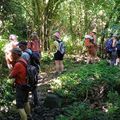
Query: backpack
{"x": 32, "y": 75}
{"x": 118, "y": 45}
{"x": 61, "y": 47}
{"x": 34, "y": 59}
{"x": 108, "y": 45}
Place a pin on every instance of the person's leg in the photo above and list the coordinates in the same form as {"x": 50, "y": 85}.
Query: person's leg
{"x": 61, "y": 69}
{"x": 27, "y": 104}
{"x": 35, "y": 96}
{"x": 113, "y": 61}
{"x": 88, "y": 59}
{"x": 57, "y": 66}
{"x": 20, "y": 103}
{"x": 27, "y": 108}
{"x": 117, "y": 61}
{"x": 23, "y": 114}
{"x": 118, "y": 57}
{"x": 93, "y": 54}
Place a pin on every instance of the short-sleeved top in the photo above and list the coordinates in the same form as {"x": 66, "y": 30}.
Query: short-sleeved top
{"x": 26, "y": 54}
{"x": 56, "y": 43}
{"x": 34, "y": 45}
{"x": 19, "y": 72}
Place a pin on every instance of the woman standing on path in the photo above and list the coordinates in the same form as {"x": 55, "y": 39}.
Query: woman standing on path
{"x": 91, "y": 46}
{"x": 59, "y": 54}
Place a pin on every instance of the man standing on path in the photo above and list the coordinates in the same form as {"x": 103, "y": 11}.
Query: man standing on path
{"x": 19, "y": 73}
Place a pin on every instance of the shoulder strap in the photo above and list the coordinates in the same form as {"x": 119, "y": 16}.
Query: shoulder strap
{"x": 28, "y": 53}
{"x": 59, "y": 41}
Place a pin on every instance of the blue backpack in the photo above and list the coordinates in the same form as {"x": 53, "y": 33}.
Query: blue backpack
{"x": 108, "y": 45}
{"x": 61, "y": 47}
{"x": 34, "y": 59}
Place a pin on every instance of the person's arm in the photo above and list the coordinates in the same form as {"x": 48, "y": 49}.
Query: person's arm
{"x": 114, "y": 43}
{"x": 14, "y": 71}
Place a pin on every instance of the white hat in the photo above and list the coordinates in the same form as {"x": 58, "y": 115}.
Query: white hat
{"x": 89, "y": 37}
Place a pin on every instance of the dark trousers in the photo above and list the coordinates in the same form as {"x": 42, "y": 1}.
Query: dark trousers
{"x": 35, "y": 96}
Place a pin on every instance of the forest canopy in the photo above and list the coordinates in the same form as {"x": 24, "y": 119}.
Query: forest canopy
{"x": 73, "y": 18}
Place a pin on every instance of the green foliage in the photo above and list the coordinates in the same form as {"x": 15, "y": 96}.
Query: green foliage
{"x": 47, "y": 58}
{"x": 82, "y": 85}
{"x": 6, "y": 91}
{"x": 13, "y": 19}
{"x": 81, "y": 111}
{"x": 2, "y": 43}
{"x": 46, "y": 61}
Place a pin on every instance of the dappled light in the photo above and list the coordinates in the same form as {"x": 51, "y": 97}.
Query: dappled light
{"x": 60, "y": 60}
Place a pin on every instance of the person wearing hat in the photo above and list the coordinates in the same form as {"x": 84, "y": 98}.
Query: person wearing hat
{"x": 25, "y": 51}
{"x": 58, "y": 56}
{"x": 8, "y": 47}
{"x": 90, "y": 46}
{"x": 26, "y": 55}
{"x": 19, "y": 74}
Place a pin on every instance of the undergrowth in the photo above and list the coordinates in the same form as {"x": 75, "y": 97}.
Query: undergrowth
{"x": 89, "y": 92}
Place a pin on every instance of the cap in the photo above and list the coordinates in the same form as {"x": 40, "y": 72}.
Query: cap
{"x": 57, "y": 34}
{"x": 22, "y": 43}
{"x": 88, "y": 36}
{"x": 17, "y": 51}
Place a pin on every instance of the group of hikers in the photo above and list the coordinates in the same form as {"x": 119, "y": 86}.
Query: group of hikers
{"x": 22, "y": 58}
{"x": 23, "y": 61}
{"x": 111, "y": 48}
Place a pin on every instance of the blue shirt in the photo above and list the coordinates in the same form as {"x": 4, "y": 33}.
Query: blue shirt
{"x": 26, "y": 54}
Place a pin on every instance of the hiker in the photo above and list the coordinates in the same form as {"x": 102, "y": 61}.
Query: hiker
{"x": 91, "y": 48}
{"x": 35, "y": 44}
{"x": 111, "y": 49}
{"x": 59, "y": 54}
{"x": 8, "y": 47}
{"x": 27, "y": 55}
{"x": 108, "y": 48}
{"x": 118, "y": 51}
{"x": 19, "y": 74}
